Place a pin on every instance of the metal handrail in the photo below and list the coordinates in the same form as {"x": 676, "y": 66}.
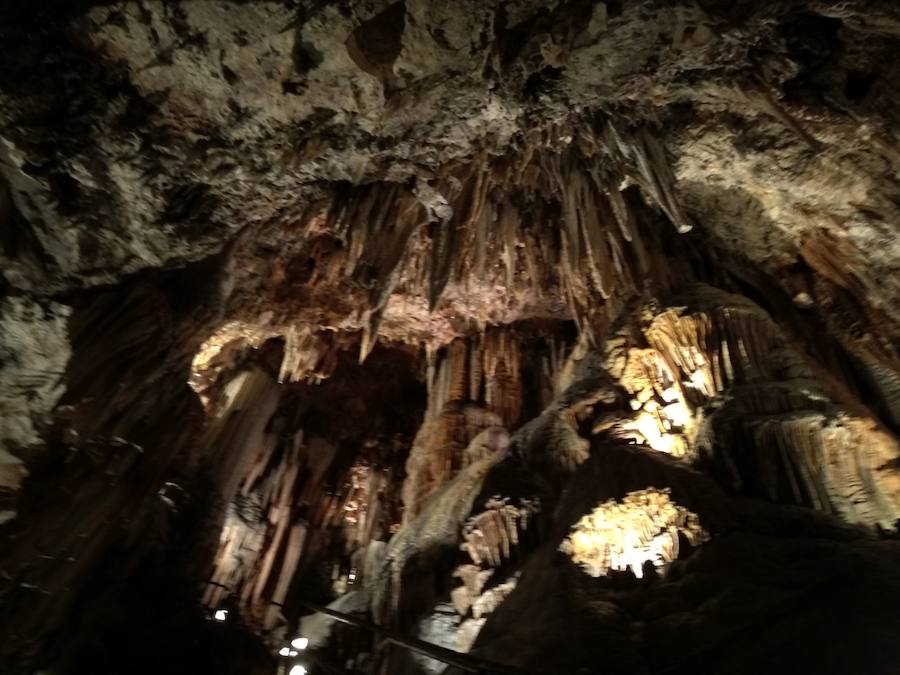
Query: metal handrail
{"x": 465, "y": 662}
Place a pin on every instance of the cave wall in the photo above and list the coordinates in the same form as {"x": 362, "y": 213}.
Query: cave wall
{"x": 771, "y": 532}
{"x": 95, "y": 495}
{"x": 212, "y": 212}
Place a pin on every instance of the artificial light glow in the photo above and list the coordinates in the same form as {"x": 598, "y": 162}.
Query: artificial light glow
{"x": 298, "y": 670}
{"x": 677, "y": 413}
{"x": 221, "y": 614}
{"x": 670, "y": 395}
{"x": 647, "y": 425}
{"x": 643, "y": 527}
{"x": 300, "y": 643}
{"x": 698, "y": 382}
{"x": 284, "y": 651}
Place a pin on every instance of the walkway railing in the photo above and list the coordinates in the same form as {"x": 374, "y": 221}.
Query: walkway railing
{"x": 464, "y": 662}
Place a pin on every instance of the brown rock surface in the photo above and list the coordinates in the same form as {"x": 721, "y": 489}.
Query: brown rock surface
{"x": 305, "y": 298}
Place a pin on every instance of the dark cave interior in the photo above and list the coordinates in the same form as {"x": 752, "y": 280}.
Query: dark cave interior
{"x": 413, "y": 338}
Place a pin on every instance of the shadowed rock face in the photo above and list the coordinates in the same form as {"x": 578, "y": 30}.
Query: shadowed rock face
{"x": 371, "y": 302}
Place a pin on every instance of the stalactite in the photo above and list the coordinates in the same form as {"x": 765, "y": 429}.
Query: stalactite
{"x": 720, "y": 375}
{"x": 238, "y": 428}
{"x": 439, "y": 452}
{"x": 489, "y": 234}
{"x": 593, "y": 234}
{"x": 445, "y": 253}
{"x": 647, "y": 156}
{"x": 502, "y": 368}
{"x": 490, "y": 536}
{"x": 456, "y": 363}
{"x": 457, "y": 413}
{"x": 644, "y": 527}
{"x": 509, "y": 224}
{"x": 304, "y": 353}
{"x": 377, "y": 262}
{"x": 476, "y": 369}
{"x": 482, "y": 227}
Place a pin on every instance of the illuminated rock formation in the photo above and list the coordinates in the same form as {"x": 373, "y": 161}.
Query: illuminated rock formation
{"x": 643, "y": 528}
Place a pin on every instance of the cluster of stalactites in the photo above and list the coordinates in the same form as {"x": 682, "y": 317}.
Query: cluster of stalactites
{"x": 550, "y": 215}
{"x": 307, "y": 356}
{"x": 694, "y": 356}
{"x": 474, "y": 397}
{"x": 236, "y": 430}
{"x": 237, "y": 433}
{"x": 801, "y": 423}
{"x": 377, "y": 221}
{"x": 720, "y": 377}
{"x": 490, "y": 538}
{"x": 483, "y": 370}
{"x": 361, "y": 508}
{"x": 837, "y": 465}
{"x": 720, "y": 346}
{"x": 478, "y": 603}
{"x": 262, "y": 541}
{"x": 446, "y": 444}
{"x": 278, "y": 501}
{"x": 661, "y": 418}
{"x": 643, "y": 527}
{"x": 281, "y": 511}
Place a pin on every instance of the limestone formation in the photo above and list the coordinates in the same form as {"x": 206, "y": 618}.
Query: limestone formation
{"x": 545, "y": 335}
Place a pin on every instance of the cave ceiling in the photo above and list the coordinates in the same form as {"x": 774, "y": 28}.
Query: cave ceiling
{"x": 416, "y": 307}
